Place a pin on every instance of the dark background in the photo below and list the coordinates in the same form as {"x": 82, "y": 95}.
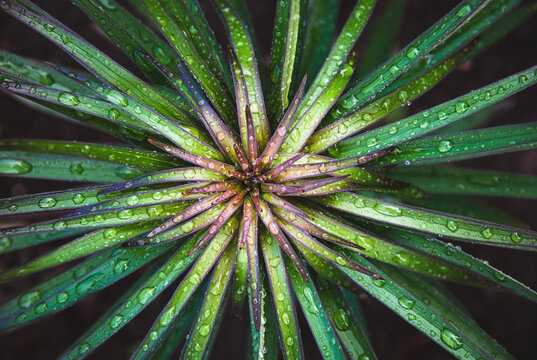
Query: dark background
{"x": 509, "y": 319}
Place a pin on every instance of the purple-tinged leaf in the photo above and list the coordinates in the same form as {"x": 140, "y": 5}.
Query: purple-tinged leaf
{"x": 277, "y": 170}
{"x": 282, "y": 130}
{"x": 194, "y": 174}
{"x": 229, "y": 210}
{"x": 210, "y": 164}
{"x": 321, "y": 168}
{"x": 282, "y": 204}
{"x": 312, "y": 229}
{"x": 250, "y": 237}
{"x": 322, "y": 250}
{"x": 270, "y": 222}
{"x": 214, "y": 187}
{"x": 223, "y": 135}
{"x": 187, "y": 213}
{"x": 252, "y": 147}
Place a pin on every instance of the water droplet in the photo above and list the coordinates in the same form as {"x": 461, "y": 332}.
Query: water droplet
{"x": 14, "y": 166}
{"x": 285, "y": 318}
{"x": 452, "y": 225}
{"x": 116, "y": 321}
{"x": 451, "y": 339}
{"x": 113, "y": 114}
{"x": 59, "y": 225}
{"x": 62, "y": 297}
{"x": 127, "y": 173}
{"x": 445, "y": 145}
{"x": 121, "y": 266}
{"x": 78, "y": 198}
{"x": 68, "y": 99}
{"x": 515, "y": 237}
{"x": 464, "y": 10}
{"x": 401, "y": 258}
{"x": 125, "y": 214}
{"x": 461, "y": 107}
{"x": 5, "y": 243}
{"x": 117, "y": 98}
{"x": 204, "y": 330}
{"x": 41, "y": 308}
{"x": 385, "y": 209}
{"x": 290, "y": 341}
{"x": 47, "y": 202}
{"x": 145, "y": 295}
{"x": 406, "y": 303}
{"x": 29, "y": 299}
{"x": 341, "y": 320}
{"x": 412, "y": 52}
{"x": 84, "y": 348}
{"x": 76, "y": 169}
{"x": 87, "y": 285}
{"x": 487, "y": 233}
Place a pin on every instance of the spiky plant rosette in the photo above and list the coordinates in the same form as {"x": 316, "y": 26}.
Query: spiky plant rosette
{"x": 278, "y": 189}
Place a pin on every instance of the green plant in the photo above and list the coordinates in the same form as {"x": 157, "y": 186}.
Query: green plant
{"x": 253, "y": 184}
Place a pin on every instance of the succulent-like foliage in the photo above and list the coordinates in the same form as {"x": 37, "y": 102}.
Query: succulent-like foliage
{"x": 276, "y": 184}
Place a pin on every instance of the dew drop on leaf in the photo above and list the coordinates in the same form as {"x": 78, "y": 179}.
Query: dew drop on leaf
{"x": 29, "y": 299}
{"x": 445, "y": 145}
{"x": 14, "y": 166}
{"x": 451, "y": 339}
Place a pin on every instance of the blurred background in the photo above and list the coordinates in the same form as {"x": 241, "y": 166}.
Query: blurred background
{"x": 512, "y": 321}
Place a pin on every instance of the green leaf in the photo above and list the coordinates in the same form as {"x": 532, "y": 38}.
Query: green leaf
{"x": 436, "y": 117}
{"x": 90, "y": 57}
{"x": 149, "y": 160}
{"x": 190, "y": 283}
{"x": 330, "y": 81}
{"x": 190, "y": 18}
{"x": 397, "y": 65}
{"x": 490, "y": 276}
{"x": 264, "y": 340}
{"x": 468, "y": 207}
{"x": 69, "y": 287}
{"x": 290, "y": 340}
{"x": 141, "y": 294}
{"x": 212, "y": 83}
{"x": 464, "y": 145}
{"x": 130, "y": 35}
{"x": 51, "y": 201}
{"x": 119, "y": 129}
{"x": 433, "y": 222}
{"x": 485, "y": 18}
{"x": 103, "y": 219}
{"x": 368, "y": 115}
{"x": 416, "y": 312}
{"x": 80, "y": 247}
{"x": 317, "y": 319}
{"x": 461, "y": 181}
{"x": 241, "y": 43}
{"x": 61, "y": 167}
{"x": 240, "y": 280}
{"x": 205, "y": 327}
{"x": 345, "y": 323}
{"x": 381, "y": 43}
{"x": 385, "y": 250}
{"x": 36, "y": 72}
{"x": 289, "y": 16}
{"x": 174, "y": 335}
{"x": 502, "y": 27}
{"x": 425, "y": 289}
{"x": 16, "y": 242}
{"x": 320, "y": 29}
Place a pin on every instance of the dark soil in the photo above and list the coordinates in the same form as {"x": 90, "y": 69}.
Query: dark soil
{"x": 509, "y": 319}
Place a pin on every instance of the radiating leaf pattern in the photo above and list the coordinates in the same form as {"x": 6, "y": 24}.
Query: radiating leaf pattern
{"x": 295, "y": 193}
